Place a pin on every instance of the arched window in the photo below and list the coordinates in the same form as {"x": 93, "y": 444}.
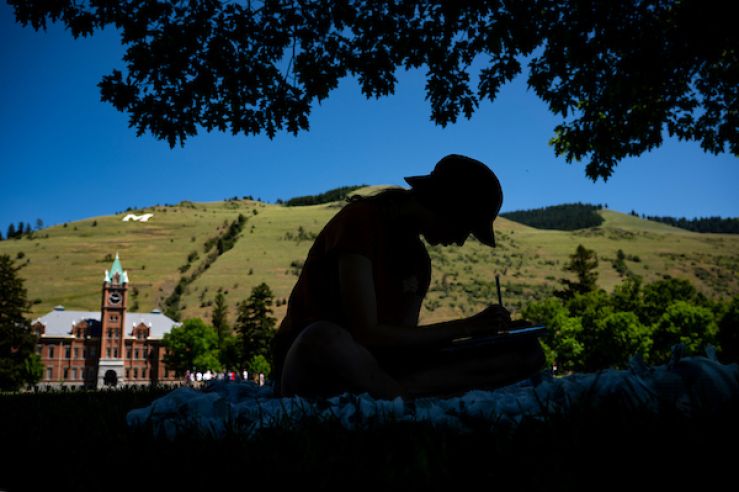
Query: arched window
{"x": 111, "y": 378}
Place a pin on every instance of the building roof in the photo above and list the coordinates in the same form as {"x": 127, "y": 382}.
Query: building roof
{"x": 59, "y": 323}
{"x": 116, "y": 268}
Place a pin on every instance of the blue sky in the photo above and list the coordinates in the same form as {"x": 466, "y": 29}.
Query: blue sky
{"x": 64, "y": 155}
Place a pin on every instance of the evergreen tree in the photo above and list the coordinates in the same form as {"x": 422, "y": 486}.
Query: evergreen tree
{"x": 1, "y": 236}
{"x": 20, "y": 230}
{"x": 230, "y": 352}
{"x": 19, "y": 363}
{"x": 568, "y": 217}
{"x": 11, "y": 231}
{"x": 583, "y": 264}
{"x": 220, "y": 321}
{"x": 255, "y": 324}
{"x": 220, "y": 315}
{"x": 28, "y": 229}
{"x": 619, "y": 264}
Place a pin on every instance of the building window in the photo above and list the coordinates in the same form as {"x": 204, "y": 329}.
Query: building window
{"x": 48, "y": 373}
{"x": 128, "y": 373}
{"x": 76, "y": 353}
{"x": 128, "y": 353}
{"x": 67, "y": 351}
{"x": 74, "y": 373}
{"x": 66, "y": 373}
{"x": 108, "y": 352}
{"x": 143, "y": 373}
{"x": 115, "y": 353}
{"x": 137, "y": 353}
{"x": 135, "y": 373}
{"x": 110, "y": 333}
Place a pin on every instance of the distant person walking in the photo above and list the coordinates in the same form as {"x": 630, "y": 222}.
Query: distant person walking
{"x": 352, "y": 317}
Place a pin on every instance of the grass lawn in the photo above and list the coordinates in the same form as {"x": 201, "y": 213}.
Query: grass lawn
{"x": 80, "y": 441}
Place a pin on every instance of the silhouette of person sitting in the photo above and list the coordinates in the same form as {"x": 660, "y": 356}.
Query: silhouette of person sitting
{"x": 352, "y": 317}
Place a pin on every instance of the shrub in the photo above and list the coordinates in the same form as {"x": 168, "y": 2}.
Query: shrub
{"x": 616, "y": 338}
{"x": 682, "y": 322}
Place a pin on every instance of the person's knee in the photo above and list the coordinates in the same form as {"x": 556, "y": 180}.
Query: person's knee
{"x": 321, "y": 334}
{"x": 309, "y": 356}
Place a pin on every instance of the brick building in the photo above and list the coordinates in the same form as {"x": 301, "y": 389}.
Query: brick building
{"x": 107, "y": 348}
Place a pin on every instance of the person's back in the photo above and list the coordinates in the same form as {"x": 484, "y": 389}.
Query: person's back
{"x": 401, "y": 271}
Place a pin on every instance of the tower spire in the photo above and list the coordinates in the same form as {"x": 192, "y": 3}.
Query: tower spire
{"x": 117, "y": 269}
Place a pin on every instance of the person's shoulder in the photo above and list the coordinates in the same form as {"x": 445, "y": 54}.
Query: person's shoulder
{"x": 364, "y": 210}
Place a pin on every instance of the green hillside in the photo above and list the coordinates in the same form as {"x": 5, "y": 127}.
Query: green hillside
{"x": 65, "y": 264}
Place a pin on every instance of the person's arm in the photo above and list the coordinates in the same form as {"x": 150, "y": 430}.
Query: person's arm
{"x": 359, "y": 302}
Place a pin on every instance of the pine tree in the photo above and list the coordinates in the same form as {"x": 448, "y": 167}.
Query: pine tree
{"x": 20, "y": 230}
{"x": 11, "y": 231}
{"x": 255, "y": 324}
{"x": 219, "y": 318}
{"x": 19, "y": 364}
{"x": 583, "y": 263}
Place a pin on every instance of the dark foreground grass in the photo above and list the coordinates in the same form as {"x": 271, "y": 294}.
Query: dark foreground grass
{"x": 80, "y": 441}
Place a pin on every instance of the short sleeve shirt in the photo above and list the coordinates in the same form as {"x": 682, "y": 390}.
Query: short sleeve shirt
{"x": 400, "y": 263}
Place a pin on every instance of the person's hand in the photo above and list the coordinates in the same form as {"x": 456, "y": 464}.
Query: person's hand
{"x": 494, "y": 318}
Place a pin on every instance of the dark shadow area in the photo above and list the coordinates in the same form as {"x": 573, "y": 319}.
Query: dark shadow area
{"x": 582, "y": 450}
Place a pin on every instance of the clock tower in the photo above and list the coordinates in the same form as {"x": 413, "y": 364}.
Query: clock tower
{"x": 112, "y": 313}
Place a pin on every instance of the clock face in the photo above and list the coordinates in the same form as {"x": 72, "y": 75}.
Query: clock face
{"x": 114, "y": 298}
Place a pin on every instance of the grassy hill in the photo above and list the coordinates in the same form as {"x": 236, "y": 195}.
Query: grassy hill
{"x": 65, "y": 264}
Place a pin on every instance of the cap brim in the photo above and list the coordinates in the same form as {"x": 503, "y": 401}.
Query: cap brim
{"x": 416, "y": 181}
{"x": 486, "y": 235}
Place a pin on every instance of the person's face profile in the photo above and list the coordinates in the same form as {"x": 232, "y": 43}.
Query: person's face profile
{"x": 446, "y": 229}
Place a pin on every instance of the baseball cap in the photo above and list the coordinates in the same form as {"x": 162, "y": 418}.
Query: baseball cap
{"x": 469, "y": 188}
